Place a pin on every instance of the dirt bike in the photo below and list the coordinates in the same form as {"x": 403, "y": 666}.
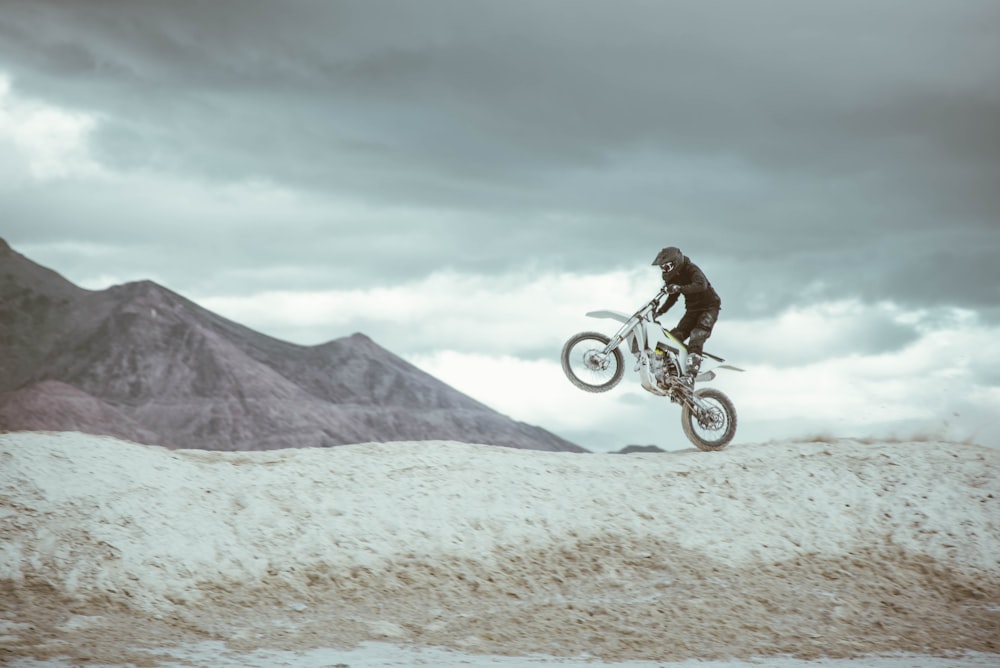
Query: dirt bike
{"x": 595, "y": 363}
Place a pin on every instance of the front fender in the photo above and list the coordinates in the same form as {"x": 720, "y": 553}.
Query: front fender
{"x": 612, "y": 315}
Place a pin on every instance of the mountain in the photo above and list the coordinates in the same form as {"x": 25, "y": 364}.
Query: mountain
{"x": 139, "y": 361}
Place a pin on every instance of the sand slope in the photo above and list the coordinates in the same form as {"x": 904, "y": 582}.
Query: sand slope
{"x": 812, "y": 549}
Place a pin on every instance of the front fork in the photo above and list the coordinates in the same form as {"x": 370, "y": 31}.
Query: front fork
{"x": 694, "y": 402}
{"x": 626, "y": 333}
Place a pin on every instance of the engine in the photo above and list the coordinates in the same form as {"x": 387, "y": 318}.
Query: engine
{"x": 663, "y": 367}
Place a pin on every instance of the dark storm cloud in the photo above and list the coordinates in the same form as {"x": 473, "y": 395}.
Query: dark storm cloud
{"x": 845, "y": 143}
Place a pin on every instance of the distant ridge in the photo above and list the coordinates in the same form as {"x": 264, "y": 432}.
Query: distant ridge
{"x": 639, "y": 449}
{"x": 139, "y": 361}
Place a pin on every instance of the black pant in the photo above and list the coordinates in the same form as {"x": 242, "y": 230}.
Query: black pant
{"x": 697, "y": 325}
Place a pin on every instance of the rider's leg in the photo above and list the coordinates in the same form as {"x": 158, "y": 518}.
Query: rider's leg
{"x": 699, "y": 334}
{"x": 684, "y": 327}
{"x": 702, "y": 329}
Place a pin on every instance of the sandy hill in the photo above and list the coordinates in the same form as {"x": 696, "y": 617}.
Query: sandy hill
{"x": 812, "y": 549}
{"x": 139, "y": 361}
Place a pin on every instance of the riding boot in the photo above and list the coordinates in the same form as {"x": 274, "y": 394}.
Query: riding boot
{"x": 693, "y": 364}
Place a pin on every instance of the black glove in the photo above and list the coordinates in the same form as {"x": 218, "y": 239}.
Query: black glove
{"x": 673, "y": 289}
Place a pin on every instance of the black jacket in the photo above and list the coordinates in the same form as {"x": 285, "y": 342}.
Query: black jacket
{"x": 699, "y": 295}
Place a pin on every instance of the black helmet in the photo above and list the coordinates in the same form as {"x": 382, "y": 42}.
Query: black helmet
{"x": 669, "y": 259}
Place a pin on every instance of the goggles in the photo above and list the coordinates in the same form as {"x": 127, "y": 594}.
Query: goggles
{"x": 667, "y": 266}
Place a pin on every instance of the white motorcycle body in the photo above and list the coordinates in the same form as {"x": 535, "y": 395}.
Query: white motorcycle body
{"x": 655, "y": 340}
{"x": 594, "y": 362}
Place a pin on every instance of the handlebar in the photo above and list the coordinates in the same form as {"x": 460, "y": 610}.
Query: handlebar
{"x": 655, "y": 301}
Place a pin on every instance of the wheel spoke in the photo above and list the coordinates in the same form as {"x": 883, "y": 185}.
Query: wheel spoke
{"x": 711, "y": 425}
{"x": 588, "y": 366}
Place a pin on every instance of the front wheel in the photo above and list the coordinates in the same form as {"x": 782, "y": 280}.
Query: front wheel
{"x": 587, "y": 365}
{"x": 712, "y": 427}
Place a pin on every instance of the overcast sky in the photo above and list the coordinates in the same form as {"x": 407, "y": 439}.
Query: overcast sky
{"x": 462, "y": 180}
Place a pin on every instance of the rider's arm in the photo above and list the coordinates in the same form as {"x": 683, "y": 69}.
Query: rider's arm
{"x": 697, "y": 284}
{"x": 671, "y": 300}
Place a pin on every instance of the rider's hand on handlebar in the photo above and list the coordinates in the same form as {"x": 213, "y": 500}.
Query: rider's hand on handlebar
{"x": 673, "y": 289}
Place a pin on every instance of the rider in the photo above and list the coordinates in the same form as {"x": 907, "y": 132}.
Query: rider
{"x": 701, "y": 302}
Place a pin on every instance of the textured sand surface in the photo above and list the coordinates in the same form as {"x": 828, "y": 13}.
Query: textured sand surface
{"x": 808, "y": 549}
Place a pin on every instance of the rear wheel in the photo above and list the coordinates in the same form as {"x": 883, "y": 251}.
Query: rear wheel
{"x": 587, "y": 365}
{"x": 712, "y": 427}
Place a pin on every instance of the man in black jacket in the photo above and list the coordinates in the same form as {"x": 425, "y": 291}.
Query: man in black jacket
{"x": 701, "y": 302}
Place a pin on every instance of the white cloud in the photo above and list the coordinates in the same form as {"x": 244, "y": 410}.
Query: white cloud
{"x": 533, "y": 391}
{"x": 823, "y": 330}
{"x": 929, "y": 383}
{"x": 497, "y": 315}
{"x": 498, "y": 340}
{"x": 47, "y": 143}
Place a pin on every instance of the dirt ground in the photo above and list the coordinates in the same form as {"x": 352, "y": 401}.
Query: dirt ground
{"x": 612, "y": 599}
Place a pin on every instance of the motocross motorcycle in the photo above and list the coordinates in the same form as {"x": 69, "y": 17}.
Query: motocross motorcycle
{"x": 595, "y": 363}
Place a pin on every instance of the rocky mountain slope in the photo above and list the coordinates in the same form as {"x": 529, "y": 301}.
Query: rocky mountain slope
{"x": 139, "y": 361}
